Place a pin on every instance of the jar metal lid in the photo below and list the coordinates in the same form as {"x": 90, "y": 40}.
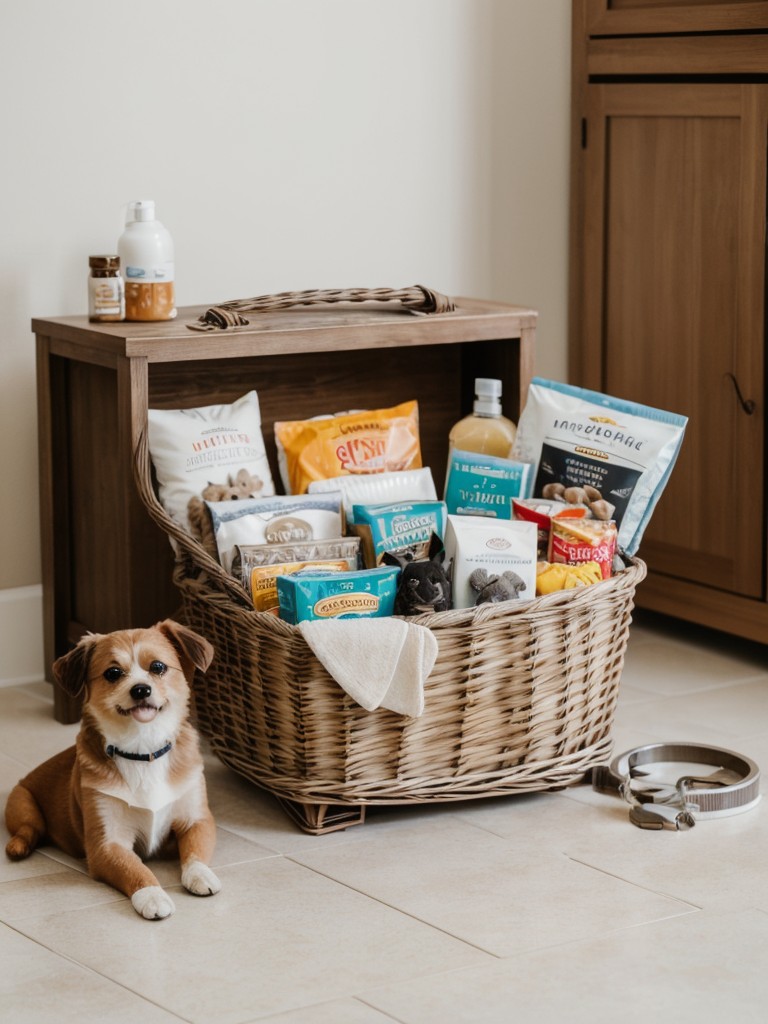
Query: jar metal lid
{"x": 104, "y": 262}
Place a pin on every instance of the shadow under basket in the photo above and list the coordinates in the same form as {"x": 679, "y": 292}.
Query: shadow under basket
{"x": 521, "y": 697}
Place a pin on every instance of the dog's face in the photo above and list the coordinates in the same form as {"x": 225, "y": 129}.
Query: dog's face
{"x": 135, "y": 678}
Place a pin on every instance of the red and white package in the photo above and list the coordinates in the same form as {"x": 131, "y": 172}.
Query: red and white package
{"x": 574, "y": 541}
{"x": 542, "y": 511}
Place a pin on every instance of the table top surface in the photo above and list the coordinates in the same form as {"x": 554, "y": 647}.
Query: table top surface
{"x": 300, "y": 329}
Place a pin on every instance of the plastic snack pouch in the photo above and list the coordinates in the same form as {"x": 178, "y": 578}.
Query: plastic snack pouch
{"x": 580, "y": 541}
{"x": 617, "y": 451}
{"x": 484, "y": 485}
{"x": 542, "y": 511}
{"x": 357, "y": 443}
{"x": 274, "y": 520}
{"x": 379, "y": 488}
{"x": 248, "y": 557}
{"x": 191, "y": 448}
{"x": 263, "y": 581}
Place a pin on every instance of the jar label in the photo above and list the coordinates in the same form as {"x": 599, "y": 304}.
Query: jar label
{"x": 105, "y": 295}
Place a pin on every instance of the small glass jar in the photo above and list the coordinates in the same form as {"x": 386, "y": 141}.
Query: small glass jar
{"x": 106, "y": 290}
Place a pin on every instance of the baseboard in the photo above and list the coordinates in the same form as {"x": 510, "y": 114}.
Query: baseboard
{"x": 21, "y": 636}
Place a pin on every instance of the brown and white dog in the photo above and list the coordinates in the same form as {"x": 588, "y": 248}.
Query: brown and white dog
{"x": 134, "y": 780}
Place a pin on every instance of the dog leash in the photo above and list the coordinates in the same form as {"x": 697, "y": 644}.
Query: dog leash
{"x": 733, "y": 787}
{"x": 113, "y": 751}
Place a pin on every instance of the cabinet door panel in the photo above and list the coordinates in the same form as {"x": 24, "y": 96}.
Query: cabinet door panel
{"x": 639, "y": 16}
{"x": 673, "y": 304}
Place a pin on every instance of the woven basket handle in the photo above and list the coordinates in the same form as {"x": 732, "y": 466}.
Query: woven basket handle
{"x": 142, "y": 473}
{"x": 418, "y": 299}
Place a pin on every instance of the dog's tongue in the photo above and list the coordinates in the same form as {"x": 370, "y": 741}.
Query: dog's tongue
{"x": 143, "y": 712}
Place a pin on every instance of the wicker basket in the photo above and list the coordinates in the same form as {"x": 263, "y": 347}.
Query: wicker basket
{"x": 521, "y": 698}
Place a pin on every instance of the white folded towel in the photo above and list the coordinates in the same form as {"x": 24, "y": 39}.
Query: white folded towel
{"x": 379, "y": 662}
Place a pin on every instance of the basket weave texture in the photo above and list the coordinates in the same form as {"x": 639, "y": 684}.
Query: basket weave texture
{"x": 521, "y": 697}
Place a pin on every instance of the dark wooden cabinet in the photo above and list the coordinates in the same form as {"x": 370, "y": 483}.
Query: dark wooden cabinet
{"x": 668, "y": 279}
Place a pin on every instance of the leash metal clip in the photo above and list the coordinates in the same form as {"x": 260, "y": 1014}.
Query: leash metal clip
{"x": 658, "y": 816}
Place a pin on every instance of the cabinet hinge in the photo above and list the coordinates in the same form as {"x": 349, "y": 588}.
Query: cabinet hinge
{"x": 583, "y": 133}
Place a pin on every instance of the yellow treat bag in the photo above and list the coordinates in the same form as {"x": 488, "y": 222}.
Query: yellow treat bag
{"x": 371, "y": 441}
{"x": 551, "y": 576}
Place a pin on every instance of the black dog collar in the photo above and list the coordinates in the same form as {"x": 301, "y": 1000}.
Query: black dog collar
{"x": 113, "y": 751}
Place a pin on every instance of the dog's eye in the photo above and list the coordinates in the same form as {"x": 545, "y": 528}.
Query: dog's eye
{"x": 113, "y": 674}
{"x": 157, "y": 668}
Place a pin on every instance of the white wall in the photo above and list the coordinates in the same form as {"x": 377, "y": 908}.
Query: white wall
{"x": 288, "y": 144}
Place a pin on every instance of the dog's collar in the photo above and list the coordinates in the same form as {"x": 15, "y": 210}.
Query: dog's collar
{"x": 733, "y": 788}
{"x": 113, "y": 751}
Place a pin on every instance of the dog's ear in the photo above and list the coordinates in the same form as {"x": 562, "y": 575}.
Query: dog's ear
{"x": 390, "y": 558}
{"x": 71, "y": 670}
{"x": 193, "y": 648}
{"x": 436, "y": 550}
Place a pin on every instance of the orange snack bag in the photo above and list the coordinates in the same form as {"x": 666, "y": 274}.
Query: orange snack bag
{"x": 371, "y": 441}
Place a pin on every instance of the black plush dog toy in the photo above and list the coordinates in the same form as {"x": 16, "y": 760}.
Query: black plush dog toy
{"x": 423, "y": 585}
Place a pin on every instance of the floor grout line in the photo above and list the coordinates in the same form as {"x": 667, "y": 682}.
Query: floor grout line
{"x": 92, "y": 971}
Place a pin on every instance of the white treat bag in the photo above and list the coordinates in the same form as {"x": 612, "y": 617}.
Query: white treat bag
{"x": 495, "y": 546}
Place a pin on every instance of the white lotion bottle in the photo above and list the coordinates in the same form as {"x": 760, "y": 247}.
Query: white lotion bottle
{"x": 146, "y": 255}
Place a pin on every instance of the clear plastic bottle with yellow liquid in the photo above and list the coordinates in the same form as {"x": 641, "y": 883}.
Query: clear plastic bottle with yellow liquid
{"x": 486, "y": 430}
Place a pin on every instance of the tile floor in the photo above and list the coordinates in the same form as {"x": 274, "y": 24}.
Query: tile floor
{"x": 540, "y": 908}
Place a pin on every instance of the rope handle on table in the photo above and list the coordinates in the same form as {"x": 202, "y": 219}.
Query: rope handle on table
{"x": 419, "y": 300}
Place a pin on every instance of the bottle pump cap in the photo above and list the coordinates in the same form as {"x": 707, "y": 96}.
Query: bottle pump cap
{"x": 488, "y": 396}
{"x": 141, "y": 209}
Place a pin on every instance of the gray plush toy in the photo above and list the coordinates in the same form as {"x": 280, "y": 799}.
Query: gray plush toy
{"x": 506, "y": 587}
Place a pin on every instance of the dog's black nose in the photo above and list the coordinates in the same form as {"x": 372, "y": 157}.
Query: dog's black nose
{"x": 141, "y": 691}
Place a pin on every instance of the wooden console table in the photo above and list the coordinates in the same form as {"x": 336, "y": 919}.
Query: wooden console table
{"x": 106, "y": 565}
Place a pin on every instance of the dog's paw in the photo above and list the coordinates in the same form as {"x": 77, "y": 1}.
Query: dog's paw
{"x": 18, "y": 848}
{"x": 152, "y": 902}
{"x": 199, "y": 879}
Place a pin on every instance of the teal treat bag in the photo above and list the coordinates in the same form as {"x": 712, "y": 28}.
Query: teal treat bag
{"x": 484, "y": 485}
{"x": 314, "y": 594}
{"x": 398, "y": 526}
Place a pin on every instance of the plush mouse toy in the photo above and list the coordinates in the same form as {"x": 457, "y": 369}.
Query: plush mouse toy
{"x": 423, "y": 585}
{"x": 506, "y": 587}
{"x": 242, "y": 485}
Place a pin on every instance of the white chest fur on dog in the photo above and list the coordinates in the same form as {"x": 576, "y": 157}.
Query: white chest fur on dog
{"x": 139, "y": 811}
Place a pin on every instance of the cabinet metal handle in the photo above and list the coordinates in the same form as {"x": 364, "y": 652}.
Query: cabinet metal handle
{"x": 747, "y": 404}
